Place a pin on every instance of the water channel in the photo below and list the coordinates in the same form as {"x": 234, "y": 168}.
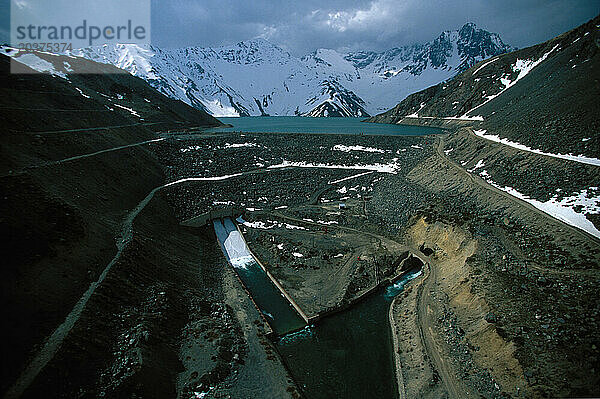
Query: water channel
{"x": 348, "y": 354}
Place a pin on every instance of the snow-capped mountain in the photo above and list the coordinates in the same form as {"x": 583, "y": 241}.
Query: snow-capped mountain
{"x": 542, "y": 97}
{"x": 256, "y": 77}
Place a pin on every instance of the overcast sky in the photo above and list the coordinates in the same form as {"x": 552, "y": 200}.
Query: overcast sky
{"x": 301, "y": 26}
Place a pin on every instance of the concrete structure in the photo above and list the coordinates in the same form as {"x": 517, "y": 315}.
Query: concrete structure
{"x": 276, "y": 283}
{"x": 205, "y": 218}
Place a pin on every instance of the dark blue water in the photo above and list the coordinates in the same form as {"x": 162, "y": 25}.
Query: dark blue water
{"x": 345, "y": 355}
{"x": 298, "y": 124}
{"x": 348, "y": 354}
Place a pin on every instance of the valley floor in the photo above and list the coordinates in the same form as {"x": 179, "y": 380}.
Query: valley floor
{"x": 506, "y": 306}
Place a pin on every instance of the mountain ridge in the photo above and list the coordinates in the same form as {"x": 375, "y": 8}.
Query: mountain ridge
{"x": 256, "y": 77}
{"x": 538, "y": 96}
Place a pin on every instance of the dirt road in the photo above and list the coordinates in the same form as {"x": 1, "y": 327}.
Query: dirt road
{"x": 426, "y": 321}
{"x": 486, "y": 186}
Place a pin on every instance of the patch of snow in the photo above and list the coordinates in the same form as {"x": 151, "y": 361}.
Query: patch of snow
{"x": 239, "y": 145}
{"x": 479, "y": 165}
{"x": 292, "y": 227}
{"x": 202, "y": 395}
{"x": 38, "y": 64}
{"x": 350, "y": 177}
{"x": 223, "y": 203}
{"x": 218, "y": 110}
{"x": 484, "y": 65}
{"x": 328, "y": 222}
{"x": 131, "y": 111}
{"x": 271, "y": 224}
{"x": 82, "y": 93}
{"x": 570, "y": 157}
{"x": 382, "y": 168}
{"x": 416, "y": 114}
{"x": 523, "y": 67}
{"x": 191, "y": 148}
{"x": 256, "y": 225}
{"x": 450, "y": 118}
{"x": 564, "y": 209}
{"x": 344, "y": 148}
{"x": 214, "y": 178}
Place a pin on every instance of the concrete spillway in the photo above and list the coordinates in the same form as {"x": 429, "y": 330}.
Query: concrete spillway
{"x": 278, "y": 310}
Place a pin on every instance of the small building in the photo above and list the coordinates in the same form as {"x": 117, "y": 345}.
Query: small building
{"x": 342, "y": 205}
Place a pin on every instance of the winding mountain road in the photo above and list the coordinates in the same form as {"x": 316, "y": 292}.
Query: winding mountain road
{"x": 77, "y": 157}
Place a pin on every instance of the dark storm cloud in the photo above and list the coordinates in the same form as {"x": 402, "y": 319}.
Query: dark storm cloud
{"x": 304, "y": 25}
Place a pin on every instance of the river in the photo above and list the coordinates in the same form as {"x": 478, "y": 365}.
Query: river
{"x": 280, "y": 314}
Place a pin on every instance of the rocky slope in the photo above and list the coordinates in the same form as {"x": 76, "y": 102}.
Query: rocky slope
{"x": 258, "y": 78}
{"x": 109, "y": 95}
{"x": 71, "y": 171}
{"x": 543, "y": 97}
{"x": 523, "y": 127}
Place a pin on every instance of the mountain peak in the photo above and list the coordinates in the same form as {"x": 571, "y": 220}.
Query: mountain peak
{"x": 469, "y": 25}
{"x": 257, "y": 41}
{"x": 257, "y": 50}
{"x": 257, "y": 77}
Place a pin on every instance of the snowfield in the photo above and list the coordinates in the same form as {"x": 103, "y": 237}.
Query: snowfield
{"x": 34, "y": 62}
{"x": 255, "y": 77}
